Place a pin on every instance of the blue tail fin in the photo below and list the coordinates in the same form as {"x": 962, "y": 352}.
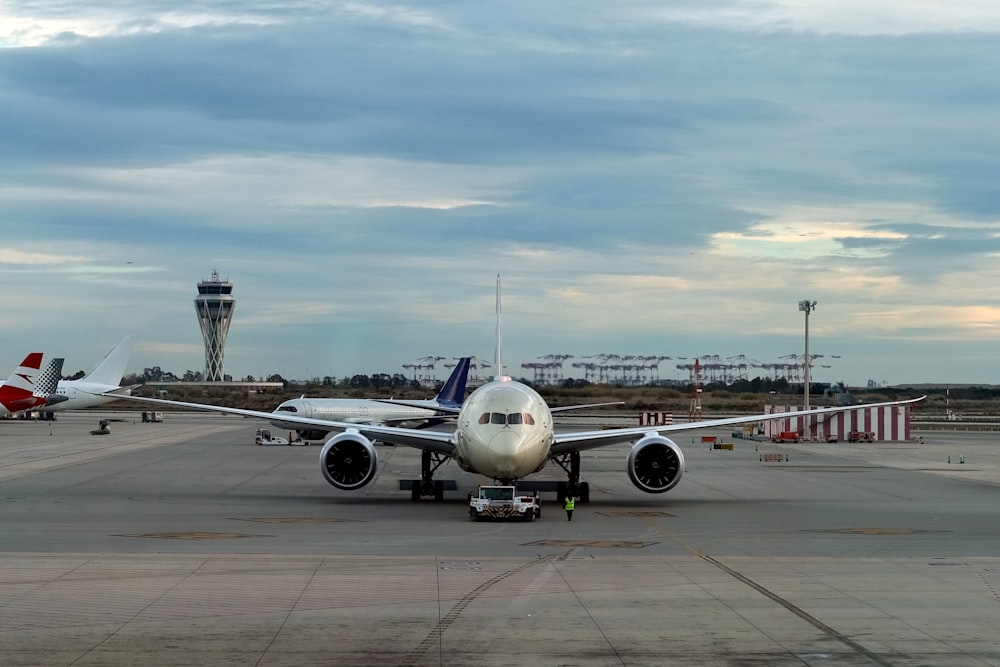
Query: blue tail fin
{"x": 453, "y": 392}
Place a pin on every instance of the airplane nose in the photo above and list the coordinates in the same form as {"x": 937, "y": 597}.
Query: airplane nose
{"x": 506, "y": 453}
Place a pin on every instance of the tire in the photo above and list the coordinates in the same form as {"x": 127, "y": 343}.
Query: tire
{"x": 584, "y": 492}
{"x": 415, "y": 491}
{"x": 438, "y": 490}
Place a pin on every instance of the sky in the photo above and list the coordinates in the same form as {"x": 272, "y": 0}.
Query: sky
{"x": 650, "y": 178}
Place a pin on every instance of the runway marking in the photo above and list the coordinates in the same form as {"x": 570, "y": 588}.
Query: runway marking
{"x": 990, "y": 587}
{"x": 872, "y": 531}
{"x": 777, "y": 599}
{"x": 434, "y": 636}
{"x": 294, "y": 519}
{"x": 602, "y": 544}
{"x": 637, "y": 513}
{"x": 191, "y": 536}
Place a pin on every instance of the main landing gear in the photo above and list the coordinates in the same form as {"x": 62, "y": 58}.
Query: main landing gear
{"x": 427, "y": 485}
{"x": 572, "y": 488}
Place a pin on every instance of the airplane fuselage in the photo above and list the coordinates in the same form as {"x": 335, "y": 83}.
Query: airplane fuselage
{"x": 81, "y": 394}
{"x": 353, "y": 411}
{"x": 504, "y": 431}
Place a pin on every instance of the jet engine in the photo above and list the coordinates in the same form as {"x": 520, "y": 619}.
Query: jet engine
{"x": 655, "y": 464}
{"x": 348, "y": 461}
{"x": 312, "y": 434}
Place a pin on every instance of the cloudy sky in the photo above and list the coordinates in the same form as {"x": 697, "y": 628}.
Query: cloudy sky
{"x": 651, "y": 178}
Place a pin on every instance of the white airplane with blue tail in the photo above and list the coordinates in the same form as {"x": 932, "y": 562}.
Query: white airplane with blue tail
{"x": 504, "y": 431}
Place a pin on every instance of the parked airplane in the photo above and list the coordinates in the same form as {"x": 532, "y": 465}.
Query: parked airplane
{"x": 47, "y": 386}
{"x": 100, "y": 385}
{"x": 426, "y": 413}
{"x": 22, "y": 391}
{"x": 504, "y": 431}
{"x": 366, "y": 411}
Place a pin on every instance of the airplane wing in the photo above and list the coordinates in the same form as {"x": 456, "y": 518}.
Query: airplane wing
{"x": 564, "y": 443}
{"x": 567, "y": 408}
{"x": 435, "y": 441}
{"x": 423, "y": 404}
{"x": 454, "y": 410}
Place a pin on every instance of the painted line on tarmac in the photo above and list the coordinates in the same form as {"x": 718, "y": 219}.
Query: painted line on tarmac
{"x": 774, "y": 597}
{"x": 434, "y": 636}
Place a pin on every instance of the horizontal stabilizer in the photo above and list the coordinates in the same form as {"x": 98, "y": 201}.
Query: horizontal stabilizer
{"x": 122, "y": 391}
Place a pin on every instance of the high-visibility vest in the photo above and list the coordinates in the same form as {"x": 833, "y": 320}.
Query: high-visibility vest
{"x": 570, "y": 504}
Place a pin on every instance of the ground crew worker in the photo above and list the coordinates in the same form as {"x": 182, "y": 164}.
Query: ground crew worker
{"x": 569, "y": 506}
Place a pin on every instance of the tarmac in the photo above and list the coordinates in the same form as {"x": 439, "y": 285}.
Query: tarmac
{"x": 183, "y": 543}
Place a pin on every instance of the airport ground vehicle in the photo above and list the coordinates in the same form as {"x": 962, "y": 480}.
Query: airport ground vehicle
{"x": 152, "y": 417}
{"x": 264, "y": 437}
{"x": 785, "y": 436}
{"x": 860, "y": 436}
{"x": 503, "y": 502}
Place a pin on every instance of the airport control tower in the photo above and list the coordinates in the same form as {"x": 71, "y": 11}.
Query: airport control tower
{"x": 214, "y": 306}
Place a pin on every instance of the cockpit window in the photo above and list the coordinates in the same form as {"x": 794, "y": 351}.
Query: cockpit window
{"x": 287, "y": 408}
{"x": 501, "y": 419}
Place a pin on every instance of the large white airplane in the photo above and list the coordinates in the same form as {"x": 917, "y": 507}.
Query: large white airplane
{"x": 385, "y": 412}
{"x": 29, "y": 387}
{"x": 100, "y": 385}
{"x": 366, "y": 411}
{"x": 504, "y": 431}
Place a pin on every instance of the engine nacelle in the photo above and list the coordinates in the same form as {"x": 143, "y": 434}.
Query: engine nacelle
{"x": 655, "y": 464}
{"x": 348, "y": 460}
{"x": 312, "y": 434}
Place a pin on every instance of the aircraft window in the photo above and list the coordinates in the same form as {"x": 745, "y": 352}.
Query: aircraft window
{"x": 287, "y": 408}
{"x": 498, "y": 418}
{"x": 485, "y": 419}
{"x": 514, "y": 418}
{"x": 528, "y": 419}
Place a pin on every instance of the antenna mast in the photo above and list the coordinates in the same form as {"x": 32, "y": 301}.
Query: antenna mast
{"x": 499, "y": 365}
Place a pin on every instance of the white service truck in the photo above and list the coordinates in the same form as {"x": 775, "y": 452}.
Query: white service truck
{"x": 503, "y": 502}
{"x": 264, "y": 437}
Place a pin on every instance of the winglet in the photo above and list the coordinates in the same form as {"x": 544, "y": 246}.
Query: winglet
{"x": 452, "y": 394}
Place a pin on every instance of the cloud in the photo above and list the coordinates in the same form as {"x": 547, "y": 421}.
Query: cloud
{"x": 648, "y": 178}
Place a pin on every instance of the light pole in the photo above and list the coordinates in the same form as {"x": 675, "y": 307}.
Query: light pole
{"x": 807, "y": 307}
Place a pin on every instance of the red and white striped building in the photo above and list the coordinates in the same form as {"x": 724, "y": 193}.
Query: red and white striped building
{"x": 887, "y": 423}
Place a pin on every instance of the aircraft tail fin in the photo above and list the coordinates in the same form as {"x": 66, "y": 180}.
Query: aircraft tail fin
{"x": 498, "y": 363}
{"x": 48, "y": 380}
{"x": 112, "y": 367}
{"x": 17, "y": 393}
{"x": 452, "y": 394}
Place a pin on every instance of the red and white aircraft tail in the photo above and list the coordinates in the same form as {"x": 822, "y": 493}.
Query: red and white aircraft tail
{"x": 18, "y": 392}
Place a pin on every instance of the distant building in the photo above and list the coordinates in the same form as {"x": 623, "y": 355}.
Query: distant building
{"x": 214, "y": 306}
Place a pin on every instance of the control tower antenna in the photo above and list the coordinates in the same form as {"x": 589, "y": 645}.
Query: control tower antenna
{"x": 214, "y": 306}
